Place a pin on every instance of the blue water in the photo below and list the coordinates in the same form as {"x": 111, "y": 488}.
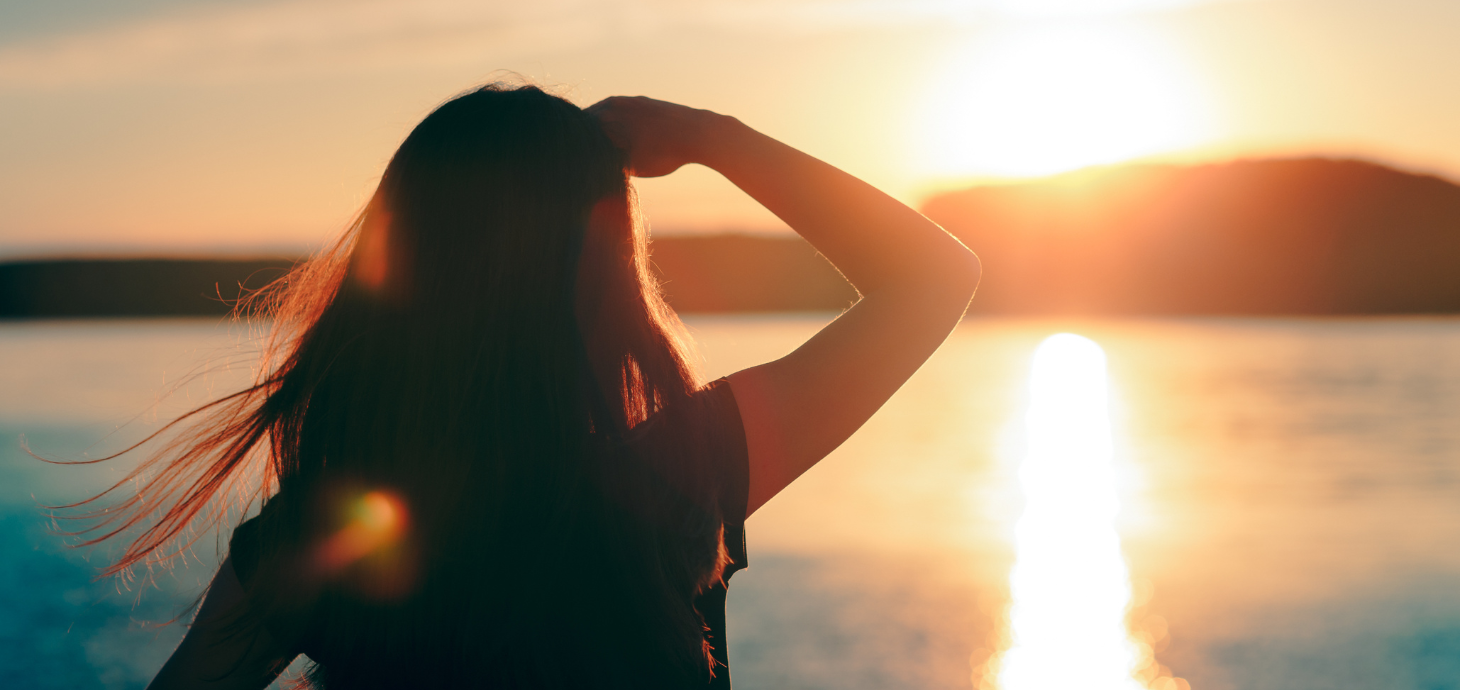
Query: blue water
{"x": 59, "y": 626}
{"x": 1291, "y": 504}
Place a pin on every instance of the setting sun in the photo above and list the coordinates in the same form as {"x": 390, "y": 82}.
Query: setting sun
{"x": 1051, "y": 97}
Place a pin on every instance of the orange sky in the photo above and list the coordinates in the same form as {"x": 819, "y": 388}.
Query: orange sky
{"x": 196, "y": 126}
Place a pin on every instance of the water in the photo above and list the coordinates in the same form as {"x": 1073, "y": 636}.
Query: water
{"x": 1290, "y": 497}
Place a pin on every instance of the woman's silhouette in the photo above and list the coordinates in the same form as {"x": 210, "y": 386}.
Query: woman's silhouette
{"x": 486, "y": 458}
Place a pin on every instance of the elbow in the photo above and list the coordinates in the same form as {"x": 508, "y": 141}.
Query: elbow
{"x": 950, "y": 274}
{"x": 972, "y": 272}
{"x": 963, "y": 273}
{"x": 950, "y": 281}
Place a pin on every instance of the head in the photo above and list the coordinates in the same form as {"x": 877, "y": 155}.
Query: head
{"x": 486, "y": 322}
{"x": 507, "y": 213}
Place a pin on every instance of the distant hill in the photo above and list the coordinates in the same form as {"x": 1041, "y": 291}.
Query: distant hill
{"x": 1304, "y": 236}
{"x": 1258, "y": 237}
{"x": 718, "y": 273}
{"x": 82, "y": 288}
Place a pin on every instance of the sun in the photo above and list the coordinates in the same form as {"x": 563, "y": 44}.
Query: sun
{"x": 1046, "y": 97}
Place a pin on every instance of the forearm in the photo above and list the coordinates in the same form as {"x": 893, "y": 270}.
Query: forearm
{"x": 874, "y": 240}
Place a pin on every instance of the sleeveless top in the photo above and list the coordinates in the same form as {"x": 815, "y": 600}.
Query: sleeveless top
{"x": 720, "y": 460}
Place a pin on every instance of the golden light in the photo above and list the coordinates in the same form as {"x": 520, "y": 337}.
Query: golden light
{"x": 1070, "y": 587}
{"x": 1085, "y": 7}
{"x": 1048, "y": 97}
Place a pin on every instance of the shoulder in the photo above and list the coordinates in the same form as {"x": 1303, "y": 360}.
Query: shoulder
{"x": 710, "y": 413}
{"x": 696, "y": 446}
{"x": 267, "y": 556}
{"x": 221, "y": 650}
{"x": 245, "y": 548}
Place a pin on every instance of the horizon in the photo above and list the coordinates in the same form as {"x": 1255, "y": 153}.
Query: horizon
{"x": 121, "y": 250}
{"x": 1305, "y": 235}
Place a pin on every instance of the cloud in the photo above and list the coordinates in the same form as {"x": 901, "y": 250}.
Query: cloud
{"x": 1065, "y": 8}
{"x": 324, "y": 37}
{"x": 300, "y": 38}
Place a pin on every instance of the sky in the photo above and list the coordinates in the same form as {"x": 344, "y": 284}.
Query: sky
{"x": 261, "y": 126}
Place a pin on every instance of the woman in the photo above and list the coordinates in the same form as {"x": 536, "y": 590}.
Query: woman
{"x": 489, "y": 460}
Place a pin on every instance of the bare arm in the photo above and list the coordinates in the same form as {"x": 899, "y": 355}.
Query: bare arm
{"x": 209, "y": 659}
{"x": 914, "y": 278}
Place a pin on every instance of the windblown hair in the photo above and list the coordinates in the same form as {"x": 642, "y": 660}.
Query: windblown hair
{"x": 484, "y": 330}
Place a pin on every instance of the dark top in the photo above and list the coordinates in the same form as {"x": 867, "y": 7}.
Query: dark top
{"x": 720, "y": 459}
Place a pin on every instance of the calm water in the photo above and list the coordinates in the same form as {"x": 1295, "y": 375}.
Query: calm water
{"x": 1290, "y": 492}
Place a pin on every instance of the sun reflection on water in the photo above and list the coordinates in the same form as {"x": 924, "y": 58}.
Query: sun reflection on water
{"x": 1070, "y": 587}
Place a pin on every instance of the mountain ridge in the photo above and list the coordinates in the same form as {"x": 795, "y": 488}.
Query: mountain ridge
{"x": 1292, "y": 236}
{"x": 1263, "y": 236}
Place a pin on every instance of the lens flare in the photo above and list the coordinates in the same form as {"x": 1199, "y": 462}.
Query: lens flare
{"x": 1070, "y": 585}
{"x": 372, "y": 255}
{"x": 377, "y": 520}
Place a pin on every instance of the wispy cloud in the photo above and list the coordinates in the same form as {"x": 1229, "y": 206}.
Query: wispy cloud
{"x": 1087, "y": 7}
{"x": 309, "y": 37}
{"x": 302, "y": 37}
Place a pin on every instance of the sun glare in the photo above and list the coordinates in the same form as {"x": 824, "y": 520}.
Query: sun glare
{"x": 1085, "y": 7}
{"x": 1049, "y": 97}
{"x": 1070, "y": 586}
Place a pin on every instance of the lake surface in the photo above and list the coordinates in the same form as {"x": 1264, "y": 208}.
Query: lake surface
{"x": 1290, "y": 504}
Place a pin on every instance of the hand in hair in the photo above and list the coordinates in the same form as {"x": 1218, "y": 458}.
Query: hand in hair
{"x": 659, "y": 137}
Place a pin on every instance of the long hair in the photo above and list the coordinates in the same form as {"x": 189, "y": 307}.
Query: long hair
{"x": 441, "y": 396}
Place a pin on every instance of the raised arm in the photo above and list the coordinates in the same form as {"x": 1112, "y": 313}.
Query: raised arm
{"x": 915, "y": 280}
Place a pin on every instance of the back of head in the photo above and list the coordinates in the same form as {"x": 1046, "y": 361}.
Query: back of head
{"x": 449, "y": 387}
{"x": 493, "y": 331}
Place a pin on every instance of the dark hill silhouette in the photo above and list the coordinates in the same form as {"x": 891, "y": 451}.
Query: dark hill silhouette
{"x": 1303, "y": 236}
{"x": 718, "y": 273}
{"x": 83, "y": 288}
